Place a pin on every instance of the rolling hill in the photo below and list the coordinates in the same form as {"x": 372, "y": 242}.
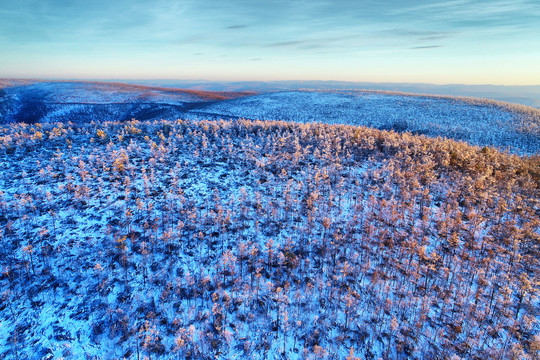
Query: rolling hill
{"x": 477, "y": 121}
{"x": 480, "y": 122}
{"x": 264, "y": 239}
{"x": 356, "y": 227}
{"x": 44, "y": 101}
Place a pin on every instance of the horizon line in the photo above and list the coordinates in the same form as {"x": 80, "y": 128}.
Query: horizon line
{"x": 98, "y": 79}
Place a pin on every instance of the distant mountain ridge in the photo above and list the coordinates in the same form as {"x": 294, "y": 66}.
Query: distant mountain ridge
{"x": 528, "y": 95}
{"x": 33, "y": 101}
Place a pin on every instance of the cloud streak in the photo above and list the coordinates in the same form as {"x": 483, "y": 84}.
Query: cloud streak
{"x": 283, "y": 44}
{"x": 426, "y": 47}
{"x": 235, "y": 27}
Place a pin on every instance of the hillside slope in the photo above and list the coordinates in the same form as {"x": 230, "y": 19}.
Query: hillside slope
{"x": 481, "y": 122}
{"x": 45, "y": 101}
{"x": 476, "y": 121}
{"x": 261, "y": 239}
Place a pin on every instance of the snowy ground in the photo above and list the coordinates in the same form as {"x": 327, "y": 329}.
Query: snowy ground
{"x": 263, "y": 240}
{"x": 73, "y": 92}
{"x": 516, "y": 128}
{"x": 42, "y": 101}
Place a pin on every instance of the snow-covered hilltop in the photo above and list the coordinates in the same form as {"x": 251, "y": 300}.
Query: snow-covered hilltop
{"x": 476, "y": 121}
{"x": 264, "y": 240}
{"x": 44, "y": 101}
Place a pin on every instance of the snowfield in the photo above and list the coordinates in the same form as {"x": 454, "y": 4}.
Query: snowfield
{"x": 73, "y": 92}
{"x": 42, "y": 101}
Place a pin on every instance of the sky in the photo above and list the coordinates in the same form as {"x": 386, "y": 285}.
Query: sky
{"x": 418, "y": 41}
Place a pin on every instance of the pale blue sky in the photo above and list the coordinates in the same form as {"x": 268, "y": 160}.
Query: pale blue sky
{"x": 456, "y": 41}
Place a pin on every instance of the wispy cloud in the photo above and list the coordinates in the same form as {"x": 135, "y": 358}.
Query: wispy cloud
{"x": 426, "y": 47}
{"x": 463, "y": 14}
{"x": 405, "y": 8}
{"x": 319, "y": 42}
{"x": 415, "y": 34}
{"x": 293, "y": 43}
{"x": 235, "y": 27}
{"x": 436, "y": 37}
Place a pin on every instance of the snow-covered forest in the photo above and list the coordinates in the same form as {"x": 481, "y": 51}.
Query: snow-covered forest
{"x": 264, "y": 240}
{"x": 482, "y": 122}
